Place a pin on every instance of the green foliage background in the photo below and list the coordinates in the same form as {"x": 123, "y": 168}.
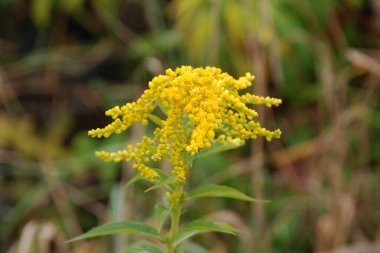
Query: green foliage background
{"x": 62, "y": 63}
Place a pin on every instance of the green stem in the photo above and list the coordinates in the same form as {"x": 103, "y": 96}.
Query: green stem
{"x": 174, "y": 229}
{"x": 175, "y": 219}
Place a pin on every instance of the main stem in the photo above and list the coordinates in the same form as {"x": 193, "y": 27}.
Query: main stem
{"x": 175, "y": 219}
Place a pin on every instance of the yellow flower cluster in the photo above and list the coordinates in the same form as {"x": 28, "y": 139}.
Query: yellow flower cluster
{"x": 175, "y": 197}
{"x": 202, "y": 106}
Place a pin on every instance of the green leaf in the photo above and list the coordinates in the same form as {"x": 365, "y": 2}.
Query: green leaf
{"x": 136, "y": 178}
{"x": 203, "y": 226}
{"x": 143, "y": 247}
{"x": 215, "y": 148}
{"x": 161, "y": 214}
{"x": 123, "y": 227}
{"x": 156, "y": 120}
{"x": 162, "y": 183}
{"x": 192, "y": 247}
{"x": 162, "y": 173}
{"x": 163, "y": 108}
{"x": 214, "y": 190}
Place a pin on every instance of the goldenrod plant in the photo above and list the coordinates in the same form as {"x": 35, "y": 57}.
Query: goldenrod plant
{"x": 197, "y": 112}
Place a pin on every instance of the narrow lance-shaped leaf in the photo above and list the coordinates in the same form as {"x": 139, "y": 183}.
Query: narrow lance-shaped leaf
{"x": 203, "y": 226}
{"x": 161, "y": 214}
{"x": 214, "y": 190}
{"x": 135, "y": 178}
{"x": 215, "y": 148}
{"x": 156, "y": 120}
{"x": 166, "y": 183}
{"x": 158, "y": 183}
{"x": 123, "y": 227}
{"x": 143, "y": 247}
{"x": 191, "y": 247}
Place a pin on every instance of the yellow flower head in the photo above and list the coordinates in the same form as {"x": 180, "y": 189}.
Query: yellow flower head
{"x": 202, "y": 107}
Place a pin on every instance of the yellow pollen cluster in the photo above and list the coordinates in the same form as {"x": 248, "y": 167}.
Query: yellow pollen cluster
{"x": 202, "y": 106}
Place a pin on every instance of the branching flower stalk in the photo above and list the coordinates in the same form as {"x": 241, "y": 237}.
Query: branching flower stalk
{"x": 197, "y": 112}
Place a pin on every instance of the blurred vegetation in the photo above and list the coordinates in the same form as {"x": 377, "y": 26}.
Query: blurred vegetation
{"x": 63, "y": 62}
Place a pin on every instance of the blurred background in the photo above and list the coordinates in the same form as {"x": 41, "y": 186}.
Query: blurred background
{"x": 64, "y": 62}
